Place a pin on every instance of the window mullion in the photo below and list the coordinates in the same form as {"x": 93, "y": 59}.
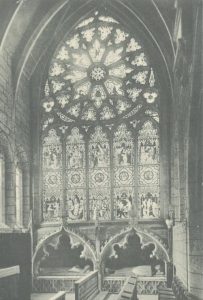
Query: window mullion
{"x": 64, "y": 180}
{"x": 111, "y": 178}
{"x": 136, "y": 166}
{"x": 87, "y": 178}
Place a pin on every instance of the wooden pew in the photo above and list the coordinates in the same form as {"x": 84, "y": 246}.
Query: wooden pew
{"x": 129, "y": 290}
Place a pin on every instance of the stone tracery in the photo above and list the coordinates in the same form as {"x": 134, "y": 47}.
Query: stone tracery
{"x": 96, "y": 67}
{"x": 99, "y": 76}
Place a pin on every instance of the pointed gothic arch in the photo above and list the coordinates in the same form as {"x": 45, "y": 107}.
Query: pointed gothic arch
{"x": 89, "y": 252}
{"x": 146, "y": 236}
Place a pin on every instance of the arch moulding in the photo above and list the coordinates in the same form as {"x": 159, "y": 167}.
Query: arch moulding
{"x": 89, "y": 252}
{"x": 146, "y": 237}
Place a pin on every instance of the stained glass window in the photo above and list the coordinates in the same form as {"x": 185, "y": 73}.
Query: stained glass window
{"x": 52, "y": 176}
{"x": 123, "y": 172}
{"x": 148, "y": 171}
{"x": 99, "y": 176}
{"x": 99, "y": 72}
{"x": 100, "y": 81}
{"x": 19, "y": 196}
{"x": 75, "y": 176}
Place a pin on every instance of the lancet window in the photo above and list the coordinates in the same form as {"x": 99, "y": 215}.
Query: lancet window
{"x": 19, "y": 196}
{"x": 2, "y": 188}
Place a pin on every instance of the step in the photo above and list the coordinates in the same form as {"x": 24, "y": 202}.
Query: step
{"x": 166, "y": 293}
{"x": 170, "y": 296}
{"x": 129, "y": 288}
{"x": 165, "y": 289}
{"x": 167, "y": 297}
{"x": 125, "y": 296}
{"x": 132, "y": 281}
{"x": 112, "y": 297}
{"x": 101, "y": 296}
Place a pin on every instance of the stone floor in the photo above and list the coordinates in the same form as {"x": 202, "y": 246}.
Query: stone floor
{"x": 147, "y": 297}
{"x": 72, "y": 297}
{"x": 40, "y": 296}
{"x": 140, "y": 297}
{"x": 45, "y": 296}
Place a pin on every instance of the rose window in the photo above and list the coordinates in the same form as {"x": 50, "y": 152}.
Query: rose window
{"x": 99, "y": 72}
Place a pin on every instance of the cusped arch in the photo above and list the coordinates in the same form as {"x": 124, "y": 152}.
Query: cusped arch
{"x": 88, "y": 252}
{"x": 146, "y": 237}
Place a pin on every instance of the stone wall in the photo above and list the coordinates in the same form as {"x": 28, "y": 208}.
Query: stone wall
{"x": 196, "y": 256}
{"x": 195, "y": 163}
{"x": 6, "y": 129}
{"x": 188, "y": 255}
{"x": 9, "y": 283}
{"x": 15, "y": 250}
{"x": 15, "y": 131}
{"x": 180, "y": 255}
{"x": 187, "y": 151}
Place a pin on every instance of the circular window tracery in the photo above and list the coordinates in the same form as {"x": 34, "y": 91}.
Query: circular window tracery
{"x": 99, "y": 72}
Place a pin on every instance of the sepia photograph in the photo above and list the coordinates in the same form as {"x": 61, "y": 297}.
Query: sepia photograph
{"x": 101, "y": 149}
